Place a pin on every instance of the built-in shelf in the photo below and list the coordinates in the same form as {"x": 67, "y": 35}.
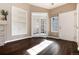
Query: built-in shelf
{"x": 3, "y": 22}
{"x": 3, "y": 32}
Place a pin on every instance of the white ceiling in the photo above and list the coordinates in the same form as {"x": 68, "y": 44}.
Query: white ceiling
{"x": 47, "y": 5}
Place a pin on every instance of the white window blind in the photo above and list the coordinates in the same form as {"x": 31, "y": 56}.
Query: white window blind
{"x": 19, "y": 21}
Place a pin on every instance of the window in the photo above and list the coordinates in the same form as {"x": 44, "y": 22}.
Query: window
{"x": 54, "y": 24}
{"x": 19, "y": 17}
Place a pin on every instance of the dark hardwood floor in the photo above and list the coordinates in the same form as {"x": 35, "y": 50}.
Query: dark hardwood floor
{"x": 20, "y": 47}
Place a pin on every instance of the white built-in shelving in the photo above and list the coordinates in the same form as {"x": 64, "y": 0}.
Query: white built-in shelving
{"x": 3, "y": 26}
{"x": 3, "y": 22}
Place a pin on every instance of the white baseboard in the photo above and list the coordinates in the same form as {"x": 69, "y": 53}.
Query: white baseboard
{"x": 16, "y": 39}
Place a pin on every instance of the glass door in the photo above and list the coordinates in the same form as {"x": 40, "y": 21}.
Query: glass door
{"x": 39, "y": 24}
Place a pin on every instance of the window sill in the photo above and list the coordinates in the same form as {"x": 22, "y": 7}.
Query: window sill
{"x": 55, "y": 32}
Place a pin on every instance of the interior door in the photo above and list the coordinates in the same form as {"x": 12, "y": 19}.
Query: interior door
{"x": 67, "y": 26}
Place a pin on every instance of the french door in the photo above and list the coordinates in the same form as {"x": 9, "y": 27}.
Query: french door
{"x": 39, "y": 24}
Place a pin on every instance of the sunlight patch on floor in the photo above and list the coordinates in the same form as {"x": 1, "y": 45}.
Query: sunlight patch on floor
{"x": 38, "y": 48}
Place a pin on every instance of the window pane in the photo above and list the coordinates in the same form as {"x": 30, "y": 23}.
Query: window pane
{"x": 54, "y": 24}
